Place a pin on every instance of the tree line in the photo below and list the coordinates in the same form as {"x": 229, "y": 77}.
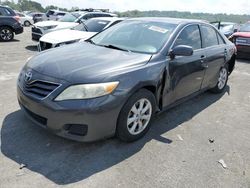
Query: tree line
{"x": 24, "y": 5}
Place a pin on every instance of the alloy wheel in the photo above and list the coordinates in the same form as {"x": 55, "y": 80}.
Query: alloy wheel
{"x": 139, "y": 116}
{"x": 6, "y": 34}
{"x": 222, "y": 78}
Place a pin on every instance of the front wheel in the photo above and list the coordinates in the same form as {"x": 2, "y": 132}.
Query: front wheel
{"x": 135, "y": 116}
{"x": 222, "y": 80}
{"x": 6, "y": 34}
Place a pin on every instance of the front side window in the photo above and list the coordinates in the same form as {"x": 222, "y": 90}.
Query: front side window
{"x": 209, "y": 36}
{"x": 190, "y": 36}
{"x": 137, "y": 36}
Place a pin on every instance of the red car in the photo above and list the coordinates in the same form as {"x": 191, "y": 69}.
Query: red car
{"x": 242, "y": 41}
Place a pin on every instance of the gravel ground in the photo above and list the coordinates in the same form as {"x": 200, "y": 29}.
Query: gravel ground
{"x": 175, "y": 153}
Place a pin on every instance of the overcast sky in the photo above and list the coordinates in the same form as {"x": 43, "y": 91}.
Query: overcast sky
{"x": 210, "y": 6}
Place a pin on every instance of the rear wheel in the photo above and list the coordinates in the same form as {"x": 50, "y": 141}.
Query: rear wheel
{"x": 6, "y": 34}
{"x": 222, "y": 80}
{"x": 27, "y": 23}
{"x": 135, "y": 116}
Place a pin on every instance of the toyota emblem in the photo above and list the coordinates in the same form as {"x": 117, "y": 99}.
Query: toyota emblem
{"x": 28, "y": 76}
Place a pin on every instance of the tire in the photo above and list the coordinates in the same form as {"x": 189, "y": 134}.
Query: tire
{"x": 222, "y": 80}
{"x": 26, "y": 23}
{"x": 6, "y": 34}
{"x": 140, "y": 122}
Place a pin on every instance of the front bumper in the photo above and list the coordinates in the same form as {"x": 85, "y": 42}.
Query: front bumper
{"x": 98, "y": 115}
{"x": 36, "y": 37}
{"x": 18, "y": 30}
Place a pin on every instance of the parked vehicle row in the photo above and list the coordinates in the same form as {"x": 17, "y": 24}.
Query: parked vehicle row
{"x": 68, "y": 21}
{"x": 116, "y": 81}
{"x": 9, "y": 24}
{"x": 82, "y": 31}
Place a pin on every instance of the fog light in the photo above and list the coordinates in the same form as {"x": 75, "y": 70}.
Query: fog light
{"x": 76, "y": 129}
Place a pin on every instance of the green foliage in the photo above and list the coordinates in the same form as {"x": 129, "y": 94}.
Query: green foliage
{"x": 188, "y": 15}
{"x": 24, "y": 5}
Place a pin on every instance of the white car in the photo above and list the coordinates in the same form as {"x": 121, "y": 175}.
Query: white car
{"x": 68, "y": 21}
{"x": 54, "y": 15}
{"x": 78, "y": 33}
{"x": 25, "y": 19}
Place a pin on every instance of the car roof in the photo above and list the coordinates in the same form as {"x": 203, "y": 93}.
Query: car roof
{"x": 94, "y": 12}
{"x": 108, "y": 18}
{"x": 57, "y": 10}
{"x": 169, "y": 20}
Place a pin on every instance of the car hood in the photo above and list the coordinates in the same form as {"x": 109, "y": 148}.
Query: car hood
{"x": 57, "y": 23}
{"x": 85, "y": 63}
{"x": 65, "y": 36}
{"x": 242, "y": 34}
{"x": 46, "y": 23}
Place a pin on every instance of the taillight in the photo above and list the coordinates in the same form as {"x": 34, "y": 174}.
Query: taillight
{"x": 17, "y": 18}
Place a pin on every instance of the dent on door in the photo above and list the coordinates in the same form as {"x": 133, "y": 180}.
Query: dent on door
{"x": 185, "y": 77}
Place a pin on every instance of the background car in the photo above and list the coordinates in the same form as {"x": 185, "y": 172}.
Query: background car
{"x": 242, "y": 41}
{"x": 68, "y": 21}
{"x": 115, "y": 82}
{"x": 25, "y": 19}
{"x": 227, "y": 28}
{"x": 54, "y": 15}
{"x": 9, "y": 24}
{"x": 81, "y": 32}
{"x": 37, "y": 16}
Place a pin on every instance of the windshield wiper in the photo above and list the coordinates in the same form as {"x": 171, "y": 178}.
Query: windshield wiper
{"x": 115, "y": 47}
{"x": 90, "y": 41}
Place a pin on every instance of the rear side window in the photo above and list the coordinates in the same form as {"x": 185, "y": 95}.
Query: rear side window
{"x": 5, "y": 12}
{"x": 220, "y": 39}
{"x": 189, "y": 36}
{"x": 209, "y": 36}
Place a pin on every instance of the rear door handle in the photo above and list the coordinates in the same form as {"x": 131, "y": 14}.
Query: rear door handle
{"x": 203, "y": 62}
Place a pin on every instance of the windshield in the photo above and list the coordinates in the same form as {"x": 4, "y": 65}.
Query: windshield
{"x": 92, "y": 25}
{"x": 245, "y": 28}
{"x": 69, "y": 17}
{"x": 136, "y": 36}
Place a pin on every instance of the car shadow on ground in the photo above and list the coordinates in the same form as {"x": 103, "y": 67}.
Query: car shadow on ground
{"x": 32, "y": 48}
{"x": 14, "y": 40}
{"x": 65, "y": 162}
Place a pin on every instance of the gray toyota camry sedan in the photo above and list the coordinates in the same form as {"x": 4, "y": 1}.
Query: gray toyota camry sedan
{"x": 115, "y": 82}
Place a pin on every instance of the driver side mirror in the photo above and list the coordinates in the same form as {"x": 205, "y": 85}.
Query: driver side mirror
{"x": 181, "y": 50}
{"x": 235, "y": 30}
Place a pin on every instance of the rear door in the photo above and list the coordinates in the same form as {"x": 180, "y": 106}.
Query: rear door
{"x": 216, "y": 52}
{"x": 186, "y": 72}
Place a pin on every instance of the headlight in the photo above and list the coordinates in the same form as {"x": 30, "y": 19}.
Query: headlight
{"x": 87, "y": 91}
{"x": 49, "y": 27}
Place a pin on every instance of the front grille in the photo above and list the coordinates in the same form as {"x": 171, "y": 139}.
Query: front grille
{"x": 45, "y": 45}
{"x": 36, "y": 37}
{"x": 40, "y": 89}
{"x": 39, "y": 119}
{"x": 36, "y": 30}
